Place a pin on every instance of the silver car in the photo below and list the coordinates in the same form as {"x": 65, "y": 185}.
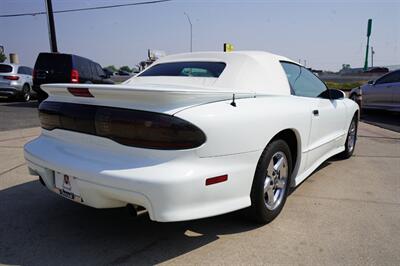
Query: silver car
{"x": 15, "y": 81}
{"x": 383, "y": 93}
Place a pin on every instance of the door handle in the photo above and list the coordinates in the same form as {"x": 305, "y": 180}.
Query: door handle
{"x": 315, "y": 112}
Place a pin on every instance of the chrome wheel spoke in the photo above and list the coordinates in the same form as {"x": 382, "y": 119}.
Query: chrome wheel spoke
{"x": 278, "y": 165}
{"x": 270, "y": 195}
{"x": 267, "y": 184}
{"x": 270, "y": 169}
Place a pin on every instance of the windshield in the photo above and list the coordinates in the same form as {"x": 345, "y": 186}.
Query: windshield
{"x": 5, "y": 68}
{"x": 186, "y": 69}
{"x": 51, "y": 61}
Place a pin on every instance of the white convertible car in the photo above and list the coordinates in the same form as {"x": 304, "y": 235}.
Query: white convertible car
{"x": 192, "y": 136}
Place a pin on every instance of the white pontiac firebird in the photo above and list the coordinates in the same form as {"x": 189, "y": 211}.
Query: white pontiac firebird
{"x": 194, "y": 135}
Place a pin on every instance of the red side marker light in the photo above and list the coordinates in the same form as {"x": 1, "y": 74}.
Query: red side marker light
{"x": 80, "y": 92}
{"x": 217, "y": 179}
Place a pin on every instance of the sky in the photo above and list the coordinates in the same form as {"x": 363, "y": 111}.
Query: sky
{"x": 322, "y": 34}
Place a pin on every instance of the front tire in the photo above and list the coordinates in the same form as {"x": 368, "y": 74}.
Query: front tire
{"x": 26, "y": 93}
{"x": 271, "y": 182}
{"x": 351, "y": 139}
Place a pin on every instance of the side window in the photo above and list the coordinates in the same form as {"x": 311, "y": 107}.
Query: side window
{"x": 303, "y": 82}
{"x": 94, "y": 70}
{"x": 389, "y": 78}
{"x": 21, "y": 70}
{"x": 29, "y": 71}
{"x": 82, "y": 66}
{"x": 292, "y": 73}
{"x": 396, "y": 76}
{"x": 86, "y": 69}
{"x": 100, "y": 71}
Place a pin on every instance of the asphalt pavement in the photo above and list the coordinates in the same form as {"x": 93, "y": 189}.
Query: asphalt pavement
{"x": 15, "y": 115}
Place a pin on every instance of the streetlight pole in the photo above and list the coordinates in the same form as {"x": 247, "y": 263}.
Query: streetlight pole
{"x": 52, "y": 29}
{"x": 191, "y": 32}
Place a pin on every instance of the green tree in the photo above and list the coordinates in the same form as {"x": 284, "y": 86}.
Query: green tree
{"x": 125, "y": 68}
{"x": 3, "y": 57}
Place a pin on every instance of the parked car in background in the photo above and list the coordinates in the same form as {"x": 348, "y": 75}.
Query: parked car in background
{"x": 377, "y": 70}
{"x": 108, "y": 72}
{"x": 66, "y": 68}
{"x": 192, "y": 136}
{"x": 384, "y": 93}
{"x": 123, "y": 73}
{"x": 15, "y": 81}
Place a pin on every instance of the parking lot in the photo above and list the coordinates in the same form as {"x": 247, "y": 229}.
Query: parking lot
{"x": 347, "y": 212}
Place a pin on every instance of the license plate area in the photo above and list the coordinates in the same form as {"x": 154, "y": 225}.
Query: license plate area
{"x": 67, "y": 186}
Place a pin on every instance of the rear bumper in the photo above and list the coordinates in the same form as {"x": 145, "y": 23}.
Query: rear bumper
{"x": 8, "y": 91}
{"x": 170, "y": 186}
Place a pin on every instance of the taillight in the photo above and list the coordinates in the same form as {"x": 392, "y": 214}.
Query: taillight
{"x": 11, "y": 77}
{"x": 74, "y": 76}
{"x": 80, "y": 92}
{"x": 128, "y": 127}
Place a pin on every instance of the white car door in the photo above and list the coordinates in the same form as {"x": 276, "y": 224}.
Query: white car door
{"x": 396, "y": 92}
{"x": 327, "y": 128}
{"x": 327, "y": 116}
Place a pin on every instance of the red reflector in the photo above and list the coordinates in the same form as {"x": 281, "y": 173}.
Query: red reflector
{"x": 11, "y": 77}
{"x": 217, "y": 179}
{"x": 80, "y": 92}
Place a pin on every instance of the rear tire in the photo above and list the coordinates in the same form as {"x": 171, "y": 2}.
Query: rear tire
{"x": 271, "y": 182}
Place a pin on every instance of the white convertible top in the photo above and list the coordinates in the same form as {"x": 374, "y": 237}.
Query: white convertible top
{"x": 246, "y": 71}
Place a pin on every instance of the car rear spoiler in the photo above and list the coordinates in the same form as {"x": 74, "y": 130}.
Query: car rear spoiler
{"x": 148, "y": 97}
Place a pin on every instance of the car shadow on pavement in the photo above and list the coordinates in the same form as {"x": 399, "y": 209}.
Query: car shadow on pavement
{"x": 38, "y": 227}
{"x": 30, "y": 104}
{"x": 381, "y": 118}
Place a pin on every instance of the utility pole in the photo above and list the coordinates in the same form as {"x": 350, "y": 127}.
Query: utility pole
{"x": 52, "y": 29}
{"x": 191, "y": 31}
{"x": 366, "y": 52}
{"x": 372, "y": 56}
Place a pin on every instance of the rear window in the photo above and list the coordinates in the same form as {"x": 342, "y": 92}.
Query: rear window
{"x": 186, "y": 69}
{"x": 5, "y": 68}
{"x": 56, "y": 62}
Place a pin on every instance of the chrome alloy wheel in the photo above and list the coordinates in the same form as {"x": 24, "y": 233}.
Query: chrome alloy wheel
{"x": 276, "y": 180}
{"x": 351, "y": 136}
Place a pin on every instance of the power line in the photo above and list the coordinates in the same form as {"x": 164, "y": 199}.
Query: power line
{"x": 84, "y": 9}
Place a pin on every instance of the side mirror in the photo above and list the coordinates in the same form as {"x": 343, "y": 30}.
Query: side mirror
{"x": 371, "y": 82}
{"x": 336, "y": 94}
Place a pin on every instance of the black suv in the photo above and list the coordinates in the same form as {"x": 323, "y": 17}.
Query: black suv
{"x": 65, "y": 68}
